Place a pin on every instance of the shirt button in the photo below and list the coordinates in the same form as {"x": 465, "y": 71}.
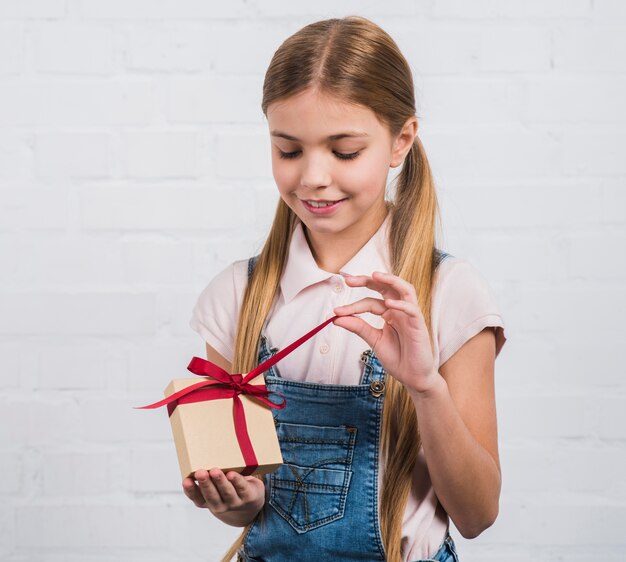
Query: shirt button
{"x": 337, "y": 288}
{"x": 324, "y": 348}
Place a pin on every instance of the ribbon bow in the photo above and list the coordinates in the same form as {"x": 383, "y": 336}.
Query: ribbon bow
{"x": 227, "y": 385}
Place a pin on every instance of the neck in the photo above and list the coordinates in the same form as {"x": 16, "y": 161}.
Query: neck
{"x": 332, "y": 251}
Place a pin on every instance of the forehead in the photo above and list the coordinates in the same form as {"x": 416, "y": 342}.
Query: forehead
{"x": 311, "y": 116}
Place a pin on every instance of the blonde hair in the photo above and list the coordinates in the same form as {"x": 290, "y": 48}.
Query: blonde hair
{"x": 356, "y": 61}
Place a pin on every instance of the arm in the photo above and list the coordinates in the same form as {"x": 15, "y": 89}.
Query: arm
{"x": 233, "y": 499}
{"x": 455, "y": 406}
{"x": 457, "y": 424}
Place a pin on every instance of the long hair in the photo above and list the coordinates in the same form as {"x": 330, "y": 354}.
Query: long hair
{"x": 356, "y": 61}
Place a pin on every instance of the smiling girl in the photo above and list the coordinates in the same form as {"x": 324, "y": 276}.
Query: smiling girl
{"x": 390, "y": 425}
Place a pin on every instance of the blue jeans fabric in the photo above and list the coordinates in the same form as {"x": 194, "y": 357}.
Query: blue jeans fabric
{"x": 322, "y": 503}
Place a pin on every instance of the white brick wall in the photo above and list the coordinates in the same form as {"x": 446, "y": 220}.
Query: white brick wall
{"x": 131, "y": 142}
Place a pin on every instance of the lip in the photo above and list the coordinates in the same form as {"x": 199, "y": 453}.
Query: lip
{"x": 322, "y": 210}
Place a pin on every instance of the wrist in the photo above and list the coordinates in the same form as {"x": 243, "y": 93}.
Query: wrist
{"x": 433, "y": 389}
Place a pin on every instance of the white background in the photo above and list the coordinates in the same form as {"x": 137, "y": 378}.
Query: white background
{"x": 134, "y": 165}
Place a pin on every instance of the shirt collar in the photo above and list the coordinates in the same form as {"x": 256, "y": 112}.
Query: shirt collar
{"x": 301, "y": 270}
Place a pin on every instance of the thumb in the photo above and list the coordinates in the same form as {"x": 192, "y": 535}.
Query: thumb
{"x": 357, "y": 326}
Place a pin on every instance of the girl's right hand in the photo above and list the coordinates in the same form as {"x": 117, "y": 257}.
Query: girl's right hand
{"x": 234, "y": 499}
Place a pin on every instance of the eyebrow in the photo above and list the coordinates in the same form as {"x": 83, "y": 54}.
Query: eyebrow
{"x": 348, "y": 134}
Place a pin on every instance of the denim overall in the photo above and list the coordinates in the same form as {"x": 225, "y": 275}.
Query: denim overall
{"x": 322, "y": 503}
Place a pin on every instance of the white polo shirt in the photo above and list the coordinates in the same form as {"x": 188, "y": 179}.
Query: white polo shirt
{"x": 463, "y": 304}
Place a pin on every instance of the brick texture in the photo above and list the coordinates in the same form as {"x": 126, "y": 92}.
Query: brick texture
{"x": 134, "y": 165}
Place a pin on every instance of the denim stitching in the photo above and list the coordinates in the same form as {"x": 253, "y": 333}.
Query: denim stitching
{"x": 374, "y": 510}
{"x": 290, "y": 484}
{"x": 340, "y": 388}
{"x": 316, "y": 441}
{"x": 375, "y": 372}
{"x": 295, "y": 495}
{"x": 339, "y": 460}
{"x": 320, "y": 522}
{"x": 341, "y": 491}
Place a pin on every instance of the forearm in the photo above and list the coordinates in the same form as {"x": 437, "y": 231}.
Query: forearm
{"x": 464, "y": 475}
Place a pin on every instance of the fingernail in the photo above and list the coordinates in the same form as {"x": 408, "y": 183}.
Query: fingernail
{"x": 345, "y": 274}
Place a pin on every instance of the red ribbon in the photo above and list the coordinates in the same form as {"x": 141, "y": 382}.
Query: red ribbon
{"x": 228, "y": 385}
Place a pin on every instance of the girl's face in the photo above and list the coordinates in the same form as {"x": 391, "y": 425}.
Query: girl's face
{"x": 327, "y": 151}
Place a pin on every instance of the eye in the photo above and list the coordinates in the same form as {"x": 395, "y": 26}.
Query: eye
{"x": 287, "y": 155}
{"x": 340, "y": 155}
{"x": 350, "y": 156}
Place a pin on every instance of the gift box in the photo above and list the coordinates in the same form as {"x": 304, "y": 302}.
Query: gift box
{"x": 205, "y": 434}
{"x": 225, "y": 420}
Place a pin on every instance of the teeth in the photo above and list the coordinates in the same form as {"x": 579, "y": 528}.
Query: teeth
{"x": 316, "y": 204}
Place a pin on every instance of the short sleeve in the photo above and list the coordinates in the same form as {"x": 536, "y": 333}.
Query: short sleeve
{"x": 463, "y": 305}
{"x": 216, "y": 311}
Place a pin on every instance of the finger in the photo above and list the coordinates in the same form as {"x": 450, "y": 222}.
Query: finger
{"x": 361, "y": 328}
{"x": 208, "y": 490}
{"x": 224, "y": 488}
{"x": 407, "y": 307}
{"x": 405, "y": 290}
{"x": 411, "y": 310}
{"x": 242, "y": 487}
{"x": 193, "y": 492}
{"x": 365, "y": 281}
{"x": 368, "y": 304}
{"x": 384, "y": 283}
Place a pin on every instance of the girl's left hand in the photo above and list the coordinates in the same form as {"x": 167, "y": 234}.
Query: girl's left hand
{"x": 403, "y": 344}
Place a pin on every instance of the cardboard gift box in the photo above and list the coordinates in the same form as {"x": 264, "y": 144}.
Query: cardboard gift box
{"x": 225, "y": 420}
{"x": 205, "y": 434}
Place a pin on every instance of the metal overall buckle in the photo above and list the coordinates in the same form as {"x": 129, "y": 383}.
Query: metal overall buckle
{"x": 377, "y": 387}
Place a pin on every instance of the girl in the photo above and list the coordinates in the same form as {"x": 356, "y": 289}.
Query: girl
{"x": 390, "y": 423}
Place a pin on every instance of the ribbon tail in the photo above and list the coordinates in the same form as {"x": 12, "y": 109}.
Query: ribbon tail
{"x": 276, "y": 358}
{"x": 175, "y": 396}
{"x": 243, "y": 437}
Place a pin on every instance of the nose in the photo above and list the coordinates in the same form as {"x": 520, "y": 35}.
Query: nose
{"x": 315, "y": 171}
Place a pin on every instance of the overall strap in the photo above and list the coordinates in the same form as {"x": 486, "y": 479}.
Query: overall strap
{"x": 251, "y": 263}
{"x": 439, "y": 256}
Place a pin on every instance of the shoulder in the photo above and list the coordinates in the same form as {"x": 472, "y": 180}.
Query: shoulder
{"x": 456, "y": 275}
{"x": 231, "y": 279}
{"x": 216, "y": 311}
{"x": 463, "y": 304}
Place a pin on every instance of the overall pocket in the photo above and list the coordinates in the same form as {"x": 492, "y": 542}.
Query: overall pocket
{"x": 311, "y": 487}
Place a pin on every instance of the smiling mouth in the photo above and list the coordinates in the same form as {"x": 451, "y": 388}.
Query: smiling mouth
{"x": 321, "y": 203}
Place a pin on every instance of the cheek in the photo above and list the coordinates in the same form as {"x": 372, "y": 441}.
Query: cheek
{"x": 369, "y": 175}
{"x": 283, "y": 175}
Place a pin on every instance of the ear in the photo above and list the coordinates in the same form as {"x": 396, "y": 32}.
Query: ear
{"x": 403, "y": 142}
